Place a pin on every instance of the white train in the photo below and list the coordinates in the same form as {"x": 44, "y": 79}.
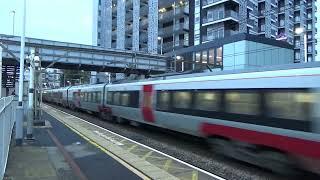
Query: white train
{"x": 270, "y": 119}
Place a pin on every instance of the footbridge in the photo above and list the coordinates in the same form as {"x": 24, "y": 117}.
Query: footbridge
{"x": 64, "y": 55}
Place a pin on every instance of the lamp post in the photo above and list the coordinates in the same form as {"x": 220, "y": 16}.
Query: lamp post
{"x": 19, "y": 116}
{"x": 0, "y": 71}
{"x": 161, "y": 44}
{"x": 13, "y": 20}
{"x": 30, "y": 118}
{"x": 300, "y": 31}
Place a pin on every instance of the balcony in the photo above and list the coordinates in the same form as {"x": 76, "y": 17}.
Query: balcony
{"x": 209, "y": 3}
{"x": 168, "y": 15}
{"x": 224, "y": 16}
{"x": 251, "y": 22}
{"x": 274, "y": 3}
{"x": 177, "y": 29}
{"x": 167, "y": 47}
{"x": 226, "y": 33}
{"x": 143, "y": 24}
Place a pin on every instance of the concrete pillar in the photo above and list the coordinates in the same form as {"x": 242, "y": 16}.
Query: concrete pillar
{"x": 121, "y": 17}
{"x": 95, "y": 18}
{"x": 153, "y": 26}
{"x": 107, "y": 23}
{"x": 136, "y": 25}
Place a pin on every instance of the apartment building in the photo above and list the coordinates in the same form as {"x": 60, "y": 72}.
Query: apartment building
{"x": 126, "y": 24}
{"x": 279, "y": 19}
{"x": 182, "y": 23}
{"x": 174, "y": 26}
{"x": 135, "y": 25}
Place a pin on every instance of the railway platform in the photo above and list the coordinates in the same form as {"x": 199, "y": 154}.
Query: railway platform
{"x": 69, "y": 147}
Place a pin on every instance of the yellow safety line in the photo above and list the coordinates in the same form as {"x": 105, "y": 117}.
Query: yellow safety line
{"x": 147, "y": 155}
{"x": 132, "y": 147}
{"x": 194, "y": 175}
{"x": 167, "y": 164}
{"x": 121, "y": 161}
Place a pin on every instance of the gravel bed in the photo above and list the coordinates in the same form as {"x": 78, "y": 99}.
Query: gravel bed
{"x": 187, "y": 148}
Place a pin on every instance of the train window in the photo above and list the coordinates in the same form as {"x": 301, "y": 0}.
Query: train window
{"x": 289, "y": 105}
{"x": 182, "y": 100}
{"x": 163, "y": 100}
{"x": 242, "y": 103}
{"x": 87, "y": 95}
{"x": 125, "y": 99}
{"x": 94, "y": 97}
{"x": 207, "y": 101}
{"x": 82, "y": 96}
{"x": 109, "y": 97}
{"x": 98, "y": 97}
{"x": 116, "y": 98}
{"x": 134, "y": 99}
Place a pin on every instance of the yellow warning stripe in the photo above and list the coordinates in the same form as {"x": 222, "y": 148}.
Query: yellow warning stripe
{"x": 147, "y": 155}
{"x": 167, "y": 164}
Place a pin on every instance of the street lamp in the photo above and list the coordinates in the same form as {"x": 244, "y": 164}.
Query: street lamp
{"x": 300, "y": 31}
{"x": 13, "y": 20}
{"x": 161, "y": 44}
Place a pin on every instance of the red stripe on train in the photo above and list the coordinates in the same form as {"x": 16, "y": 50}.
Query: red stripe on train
{"x": 284, "y": 143}
{"x": 147, "y": 111}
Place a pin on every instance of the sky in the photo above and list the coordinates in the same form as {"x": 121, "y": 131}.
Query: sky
{"x": 58, "y": 20}
{"x": 61, "y": 20}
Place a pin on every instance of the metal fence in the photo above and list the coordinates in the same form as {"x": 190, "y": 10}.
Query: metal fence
{"x": 7, "y": 121}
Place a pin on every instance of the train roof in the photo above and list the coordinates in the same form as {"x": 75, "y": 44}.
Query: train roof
{"x": 312, "y": 68}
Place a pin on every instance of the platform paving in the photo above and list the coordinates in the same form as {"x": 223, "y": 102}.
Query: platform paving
{"x": 137, "y": 157}
{"x": 57, "y": 153}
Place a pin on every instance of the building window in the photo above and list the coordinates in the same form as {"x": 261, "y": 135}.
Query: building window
{"x": 219, "y": 56}
{"x": 211, "y": 56}
{"x": 297, "y": 55}
{"x": 204, "y": 58}
{"x": 198, "y": 56}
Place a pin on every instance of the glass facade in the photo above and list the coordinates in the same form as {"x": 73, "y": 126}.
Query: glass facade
{"x": 210, "y": 57}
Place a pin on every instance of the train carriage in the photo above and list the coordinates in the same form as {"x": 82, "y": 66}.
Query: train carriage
{"x": 253, "y": 115}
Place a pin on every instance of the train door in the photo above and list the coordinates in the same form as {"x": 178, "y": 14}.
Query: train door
{"x": 78, "y": 95}
{"x": 147, "y": 103}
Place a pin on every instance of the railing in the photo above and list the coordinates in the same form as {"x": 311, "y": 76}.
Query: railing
{"x": 7, "y": 121}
